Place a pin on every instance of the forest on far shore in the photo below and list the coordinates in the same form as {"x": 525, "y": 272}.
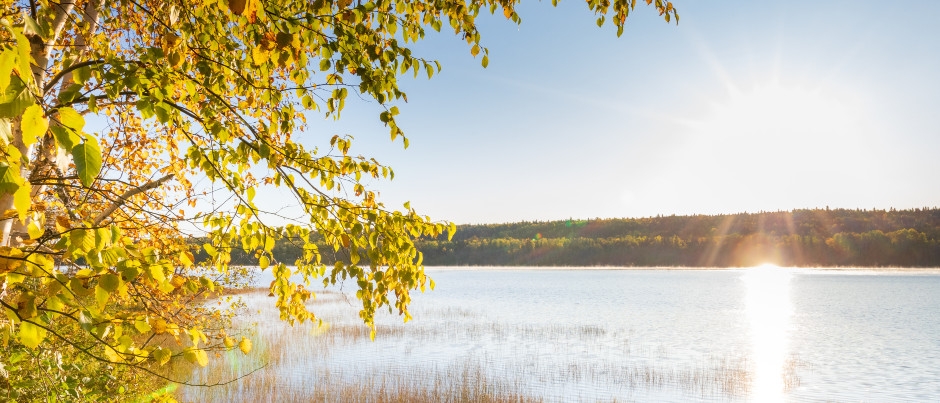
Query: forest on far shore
{"x": 808, "y": 238}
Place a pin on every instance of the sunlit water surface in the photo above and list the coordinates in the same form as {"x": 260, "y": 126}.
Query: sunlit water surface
{"x": 763, "y": 334}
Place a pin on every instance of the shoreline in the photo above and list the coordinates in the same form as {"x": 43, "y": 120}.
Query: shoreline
{"x": 911, "y": 270}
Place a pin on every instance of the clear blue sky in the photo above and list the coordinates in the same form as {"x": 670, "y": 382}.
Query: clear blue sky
{"x": 744, "y": 106}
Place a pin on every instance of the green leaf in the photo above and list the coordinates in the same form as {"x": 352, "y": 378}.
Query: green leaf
{"x": 33, "y": 125}
{"x": 190, "y": 355}
{"x": 6, "y": 135}
{"x": 109, "y": 282}
{"x": 101, "y": 296}
{"x": 23, "y": 49}
{"x": 161, "y": 355}
{"x": 142, "y": 326}
{"x": 31, "y": 335}
{"x": 129, "y": 273}
{"x": 196, "y": 356}
{"x": 55, "y": 303}
{"x": 9, "y": 180}
{"x": 69, "y": 94}
{"x": 87, "y": 157}
{"x": 81, "y": 74}
{"x": 26, "y": 305}
{"x": 15, "y": 99}
{"x": 31, "y": 27}
{"x": 66, "y": 137}
{"x": 71, "y": 118}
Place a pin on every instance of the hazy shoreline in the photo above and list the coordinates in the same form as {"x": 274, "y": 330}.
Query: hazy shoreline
{"x": 930, "y": 270}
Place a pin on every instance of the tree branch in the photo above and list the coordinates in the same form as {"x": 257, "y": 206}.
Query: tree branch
{"x": 130, "y": 193}
{"x": 67, "y": 70}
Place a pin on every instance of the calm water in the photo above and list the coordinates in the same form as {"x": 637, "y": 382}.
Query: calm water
{"x": 764, "y": 334}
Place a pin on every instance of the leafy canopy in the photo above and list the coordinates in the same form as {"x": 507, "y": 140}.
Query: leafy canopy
{"x": 120, "y": 120}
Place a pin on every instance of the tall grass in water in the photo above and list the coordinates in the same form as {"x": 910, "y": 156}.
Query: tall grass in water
{"x": 280, "y": 351}
{"x": 452, "y": 354}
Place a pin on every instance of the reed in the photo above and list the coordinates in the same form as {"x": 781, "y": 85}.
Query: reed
{"x": 471, "y": 359}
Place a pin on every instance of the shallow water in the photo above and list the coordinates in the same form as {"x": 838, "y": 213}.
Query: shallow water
{"x": 763, "y": 334}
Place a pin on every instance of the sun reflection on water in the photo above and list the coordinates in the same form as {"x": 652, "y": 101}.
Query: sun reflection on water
{"x": 769, "y": 311}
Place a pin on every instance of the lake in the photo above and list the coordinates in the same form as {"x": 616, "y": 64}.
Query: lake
{"x": 762, "y": 334}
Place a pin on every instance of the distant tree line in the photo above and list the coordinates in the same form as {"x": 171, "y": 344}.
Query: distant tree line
{"x": 818, "y": 237}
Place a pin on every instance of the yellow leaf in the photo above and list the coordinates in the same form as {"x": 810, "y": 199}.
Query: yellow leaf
{"x": 112, "y": 355}
{"x": 175, "y": 59}
{"x": 244, "y": 345}
{"x": 33, "y": 125}
{"x": 101, "y": 296}
{"x": 24, "y": 58}
{"x": 7, "y": 59}
{"x": 159, "y": 326}
{"x": 259, "y": 55}
{"x": 186, "y": 258}
{"x": 71, "y": 118}
{"x": 31, "y": 335}
{"x": 34, "y": 230}
{"x": 22, "y": 201}
{"x": 156, "y": 271}
{"x": 202, "y": 358}
{"x": 178, "y": 281}
{"x": 228, "y": 342}
{"x": 264, "y": 262}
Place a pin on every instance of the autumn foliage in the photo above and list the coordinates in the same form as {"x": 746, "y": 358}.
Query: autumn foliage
{"x": 127, "y": 128}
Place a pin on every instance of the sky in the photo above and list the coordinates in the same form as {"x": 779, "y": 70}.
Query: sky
{"x": 742, "y": 107}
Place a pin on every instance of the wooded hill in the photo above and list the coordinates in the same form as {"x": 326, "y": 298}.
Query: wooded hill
{"x": 820, "y": 237}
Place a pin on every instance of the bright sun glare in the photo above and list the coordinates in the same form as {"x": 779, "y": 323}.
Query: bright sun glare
{"x": 779, "y": 110}
{"x": 763, "y": 146}
{"x": 776, "y": 119}
{"x": 769, "y": 310}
